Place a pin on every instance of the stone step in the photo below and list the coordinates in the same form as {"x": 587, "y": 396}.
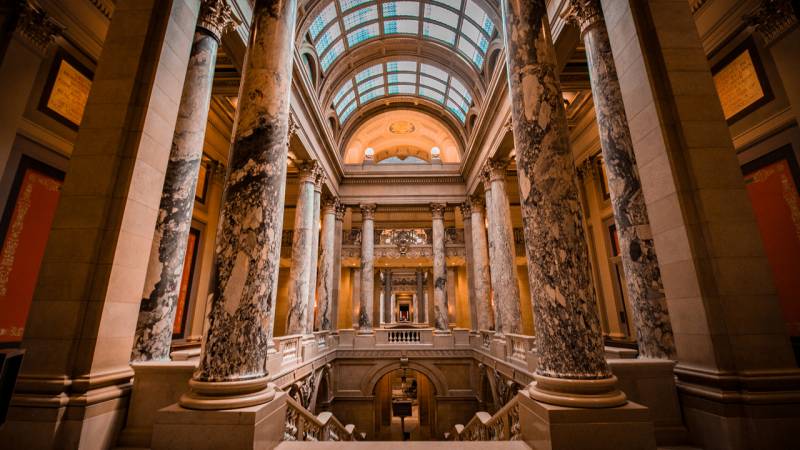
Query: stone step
{"x": 419, "y": 445}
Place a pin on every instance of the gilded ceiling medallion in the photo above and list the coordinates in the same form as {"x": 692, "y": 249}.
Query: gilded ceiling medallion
{"x": 402, "y": 127}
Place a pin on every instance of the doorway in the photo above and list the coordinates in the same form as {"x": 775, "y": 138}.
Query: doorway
{"x": 404, "y": 406}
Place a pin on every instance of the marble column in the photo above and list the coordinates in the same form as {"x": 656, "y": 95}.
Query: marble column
{"x": 232, "y": 372}
{"x": 165, "y": 267}
{"x": 314, "y": 268}
{"x": 487, "y": 194}
{"x": 387, "y": 304}
{"x": 466, "y": 215}
{"x": 441, "y": 319}
{"x": 365, "y": 306}
{"x": 337, "y": 265}
{"x": 572, "y": 370}
{"x": 637, "y": 249}
{"x": 501, "y": 238}
{"x": 480, "y": 266}
{"x": 420, "y": 310}
{"x": 416, "y": 308}
{"x": 302, "y": 242}
{"x": 325, "y": 277}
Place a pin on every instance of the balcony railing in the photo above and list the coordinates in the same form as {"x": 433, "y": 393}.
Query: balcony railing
{"x": 302, "y": 425}
{"x": 518, "y": 346}
{"x": 503, "y": 426}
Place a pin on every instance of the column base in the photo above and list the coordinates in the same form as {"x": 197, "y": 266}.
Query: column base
{"x": 546, "y": 427}
{"x": 213, "y": 395}
{"x": 601, "y": 393}
{"x": 253, "y": 427}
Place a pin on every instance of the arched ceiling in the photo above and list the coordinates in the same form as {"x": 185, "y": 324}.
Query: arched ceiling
{"x": 429, "y": 53}
{"x": 401, "y": 133}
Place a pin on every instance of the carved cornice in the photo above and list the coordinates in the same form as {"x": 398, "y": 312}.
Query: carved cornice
{"x": 330, "y": 205}
{"x": 404, "y": 180}
{"x": 216, "y": 17}
{"x": 772, "y": 19}
{"x": 106, "y": 7}
{"x": 477, "y": 203}
{"x": 36, "y": 26}
{"x": 292, "y": 129}
{"x": 437, "y": 210}
{"x": 584, "y": 13}
{"x": 368, "y": 211}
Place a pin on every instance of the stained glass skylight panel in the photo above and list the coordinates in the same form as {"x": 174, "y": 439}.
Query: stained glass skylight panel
{"x": 401, "y": 66}
{"x": 470, "y": 52}
{"x": 333, "y": 53}
{"x": 360, "y": 17}
{"x": 330, "y": 35}
{"x": 394, "y": 9}
{"x": 456, "y": 110}
{"x": 369, "y": 84}
{"x": 455, "y": 4}
{"x": 368, "y": 72}
{"x": 350, "y": 4}
{"x": 345, "y": 101}
{"x": 346, "y": 113}
{"x": 348, "y": 85}
{"x": 479, "y": 16}
{"x": 402, "y": 89}
{"x": 431, "y": 94}
{"x": 442, "y": 15}
{"x": 432, "y": 83}
{"x": 407, "y": 78}
{"x": 375, "y": 93}
{"x": 439, "y": 32}
{"x": 401, "y": 26}
{"x": 323, "y": 19}
{"x": 460, "y": 88}
{"x": 435, "y": 72}
{"x": 362, "y": 34}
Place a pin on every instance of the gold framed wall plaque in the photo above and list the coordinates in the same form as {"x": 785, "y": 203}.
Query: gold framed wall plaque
{"x": 67, "y": 90}
{"x": 741, "y": 82}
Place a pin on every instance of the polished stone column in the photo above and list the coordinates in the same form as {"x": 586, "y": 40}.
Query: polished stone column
{"x": 420, "y": 314}
{"x": 337, "y": 265}
{"x": 639, "y": 261}
{"x": 232, "y": 371}
{"x": 325, "y": 277}
{"x": 165, "y": 267}
{"x": 572, "y": 370}
{"x": 441, "y": 319}
{"x": 480, "y": 266}
{"x": 302, "y": 241}
{"x": 487, "y": 194}
{"x": 466, "y": 215}
{"x": 501, "y": 241}
{"x": 367, "y": 268}
{"x": 312, "y": 273}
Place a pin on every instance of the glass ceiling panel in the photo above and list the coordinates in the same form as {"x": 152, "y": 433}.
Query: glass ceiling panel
{"x": 462, "y": 25}
{"x": 402, "y": 78}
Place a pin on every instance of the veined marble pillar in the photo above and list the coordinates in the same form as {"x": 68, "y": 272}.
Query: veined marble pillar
{"x": 312, "y": 274}
{"x": 325, "y": 277}
{"x": 165, "y": 267}
{"x": 501, "y": 237}
{"x": 480, "y": 266}
{"x": 421, "y": 305}
{"x": 302, "y": 242}
{"x": 572, "y": 370}
{"x": 487, "y": 193}
{"x": 367, "y": 268}
{"x": 466, "y": 214}
{"x": 337, "y": 265}
{"x": 233, "y": 367}
{"x": 639, "y": 261}
{"x": 441, "y": 319}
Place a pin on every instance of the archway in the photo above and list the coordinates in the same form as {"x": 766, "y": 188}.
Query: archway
{"x": 405, "y": 406}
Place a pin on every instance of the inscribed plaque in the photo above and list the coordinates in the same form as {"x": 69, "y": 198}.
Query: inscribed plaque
{"x": 738, "y": 84}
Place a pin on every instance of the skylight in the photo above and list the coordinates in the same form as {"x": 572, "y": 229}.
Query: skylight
{"x": 402, "y": 78}
{"x": 344, "y": 24}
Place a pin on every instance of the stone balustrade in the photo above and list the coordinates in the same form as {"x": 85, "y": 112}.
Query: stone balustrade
{"x": 519, "y": 346}
{"x": 302, "y": 425}
{"x": 503, "y": 426}
{"x": 289, "y": 348}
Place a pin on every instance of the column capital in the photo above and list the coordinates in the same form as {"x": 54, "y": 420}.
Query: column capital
{"x": 495, "y": 169}
{"x": 292, "y": 128}
{"x": 341, "y": 209}
{"x": 584, "y": 13}
{"x": 772, "y": 18}
{"x": 216, "y": 17}
{"x": 437, "y": 210}
{"x": 368, "y": 211}
{"x": 330, "y": 205}
{"x": 477, "y": 203}
{"x": 36, "y": 26}
{"x": 319, "y": 180}
{"x": 309, "y": 171}
{"x": 585, "y": 167}
{"x": 466, "y": 209}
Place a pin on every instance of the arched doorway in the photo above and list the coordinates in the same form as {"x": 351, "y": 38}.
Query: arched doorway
{"x": 404, "y": 406}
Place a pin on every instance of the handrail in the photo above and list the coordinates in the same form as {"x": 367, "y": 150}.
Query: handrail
{"x": 503, "y": 426}
{"x": 302, "y": 425}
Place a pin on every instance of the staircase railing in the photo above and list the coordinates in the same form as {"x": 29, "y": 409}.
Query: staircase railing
{"x": 302, "y": 425}
{"x": 503, "y": 426}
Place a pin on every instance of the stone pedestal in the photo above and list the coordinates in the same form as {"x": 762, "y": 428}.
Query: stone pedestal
{"x": 156, "y": 385}
{"x": 548, "y": 427}
{"x": 254, "y": 427}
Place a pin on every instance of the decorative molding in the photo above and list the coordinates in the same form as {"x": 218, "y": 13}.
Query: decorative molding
{"x": 340, "y": 211}
{"x": 772, "y": 19}
{"x": 495, "y": 169}
{"x": 217, "y": 18}
{"x": 466, "y": 210}
{"x": 309, "y": 171}
{"x": 457, "y": 179}
{"x": 438, "y": 210}
{"x": 368, "y": 211}
{"x": 584, "y": 13}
